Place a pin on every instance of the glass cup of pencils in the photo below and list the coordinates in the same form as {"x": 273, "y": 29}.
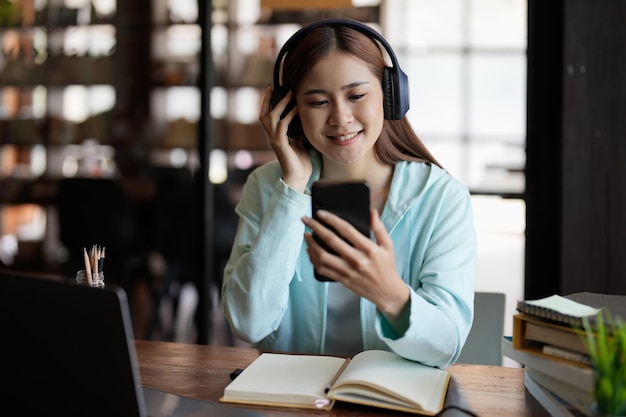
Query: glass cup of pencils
{"x": 92, "y": 275}
{"x": 97, "y": 280}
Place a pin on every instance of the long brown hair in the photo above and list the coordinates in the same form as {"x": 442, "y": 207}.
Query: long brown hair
{"x": 398, "y": 141}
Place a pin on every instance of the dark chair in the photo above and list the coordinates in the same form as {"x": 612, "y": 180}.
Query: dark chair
{"x": 178, "y": 239}
{"x": 177, "y": 235}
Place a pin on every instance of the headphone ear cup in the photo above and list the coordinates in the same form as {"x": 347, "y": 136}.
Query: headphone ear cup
{"x": 402, "y": 93}
{"x": 388, "y": 95}
{"x": 396, "y": 93}
{"x": 277, "y": 94}
{"x": 295, "y": 127}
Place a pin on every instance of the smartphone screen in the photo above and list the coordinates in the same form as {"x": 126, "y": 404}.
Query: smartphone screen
{"x": 349, "y": 200}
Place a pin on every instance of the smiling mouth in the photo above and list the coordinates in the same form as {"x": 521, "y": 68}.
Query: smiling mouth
{"x": 345, "y": 137}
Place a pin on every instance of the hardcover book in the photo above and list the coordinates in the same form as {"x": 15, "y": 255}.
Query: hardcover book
{"x": 554, "y": 405}
{"x": 570, "y": 309}
{"x": 550, "y": 334}
{"x": 538, "y": 336}
{"x": 583, "y": 400}
{"x": 373, "y": 378}
{"x": 578, "y": 375}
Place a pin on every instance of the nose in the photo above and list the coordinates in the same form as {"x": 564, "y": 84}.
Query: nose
{"x": 340, "y": 114}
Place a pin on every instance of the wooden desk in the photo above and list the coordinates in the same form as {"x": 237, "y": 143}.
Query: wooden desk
{"x": 202, "y": 371}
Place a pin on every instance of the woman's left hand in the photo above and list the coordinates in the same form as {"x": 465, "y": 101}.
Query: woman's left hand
{"x": 366, "y": 267}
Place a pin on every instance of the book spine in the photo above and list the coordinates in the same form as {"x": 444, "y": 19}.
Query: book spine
{"x": 566, "y": 354}
{"x": 554, "y": 405}
{"x": 580, "y": 399}
{"x": 576, "y": 374}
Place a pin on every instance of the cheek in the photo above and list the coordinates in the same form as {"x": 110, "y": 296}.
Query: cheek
{"x": 311, "y": 119}
{"x": 373, "y": 112}
{"x": 373, "y": 117}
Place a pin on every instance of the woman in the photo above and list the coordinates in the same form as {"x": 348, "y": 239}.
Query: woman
{"x": 410, "y": 288}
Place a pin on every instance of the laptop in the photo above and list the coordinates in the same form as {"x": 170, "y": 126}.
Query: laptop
{"x": 68, "y": 349}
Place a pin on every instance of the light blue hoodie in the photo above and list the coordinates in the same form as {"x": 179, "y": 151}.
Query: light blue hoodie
{"x": 271, "y": 298}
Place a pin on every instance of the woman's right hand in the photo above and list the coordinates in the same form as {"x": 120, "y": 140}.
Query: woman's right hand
{"x": 292, "y": 156}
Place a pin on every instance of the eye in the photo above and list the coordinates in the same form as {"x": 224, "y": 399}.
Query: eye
{"x": 356, "y": 97}
{"x": 318, "y": 103}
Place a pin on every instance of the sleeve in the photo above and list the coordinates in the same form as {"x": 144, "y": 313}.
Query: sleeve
{"x": 255, "y": 289}
{"x": 442, "y": 285}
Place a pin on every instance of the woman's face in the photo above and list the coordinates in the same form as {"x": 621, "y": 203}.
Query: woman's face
{"x": 340, "y": 103}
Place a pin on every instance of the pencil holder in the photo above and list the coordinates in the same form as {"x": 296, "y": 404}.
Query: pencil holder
{"x": 97, "y": 280}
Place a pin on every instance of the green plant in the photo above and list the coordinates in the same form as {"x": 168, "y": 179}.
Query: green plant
{"x": 606, "y": 340}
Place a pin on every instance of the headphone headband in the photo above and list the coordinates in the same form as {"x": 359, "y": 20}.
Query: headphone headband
{"x": 394, "y": 83}
{"x": 349, "y": 23}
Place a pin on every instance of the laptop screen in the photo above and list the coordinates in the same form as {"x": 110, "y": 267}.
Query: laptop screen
{"x": 66, "y": 349}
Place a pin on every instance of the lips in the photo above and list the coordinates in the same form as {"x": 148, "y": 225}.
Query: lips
{"x": 345, "y": 137}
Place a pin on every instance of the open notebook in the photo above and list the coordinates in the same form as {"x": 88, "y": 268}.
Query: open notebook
{"x": 69, "y": 350}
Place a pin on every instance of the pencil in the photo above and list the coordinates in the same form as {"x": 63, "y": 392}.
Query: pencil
{"x": 101, "y": 258}
{"x": 95, "y": 258}
{"x": 87, "y": 267}
{"x": 337, "y": 375}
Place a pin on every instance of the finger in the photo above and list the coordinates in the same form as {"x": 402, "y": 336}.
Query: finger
{"x": 280, "y": 107}
{"x": 265, "y": 99}
{"x": 272, "y": 121}
{"x": 329, "y": 237}
{"x": 345, "y": 259}
{"x": 380, "y": 231}
{"x": 324, "y": 262}
{"x": 264, "y": 102}
{"x": 288, "y": 118}
{"x": 344, "y": 229}
{"x": 320, "y": 231}
{"x": 313, "y": 248}
{"x": 292, "y": 113}
{"x": 319, "y": 251}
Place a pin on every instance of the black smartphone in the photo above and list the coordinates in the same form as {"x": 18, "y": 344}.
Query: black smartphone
{"x": 349, "y": 200}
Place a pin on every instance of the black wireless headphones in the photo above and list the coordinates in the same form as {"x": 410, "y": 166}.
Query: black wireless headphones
{"x": 395, "y": 83}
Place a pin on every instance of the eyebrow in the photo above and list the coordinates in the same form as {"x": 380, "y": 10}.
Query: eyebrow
{"x": 345, "y": 87}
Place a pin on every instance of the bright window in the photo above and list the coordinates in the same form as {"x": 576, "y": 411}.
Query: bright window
{"x": 466, "y": 63}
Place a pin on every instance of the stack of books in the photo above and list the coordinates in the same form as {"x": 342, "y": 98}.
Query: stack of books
{"x": 549, "y": 342}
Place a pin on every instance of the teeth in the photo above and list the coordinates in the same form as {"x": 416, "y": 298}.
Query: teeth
{"x": 347, "y": 137}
